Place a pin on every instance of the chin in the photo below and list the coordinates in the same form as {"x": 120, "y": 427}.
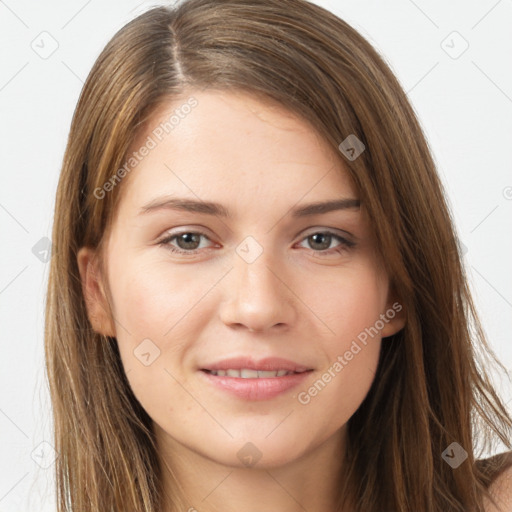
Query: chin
{"x": 256, "y": 452}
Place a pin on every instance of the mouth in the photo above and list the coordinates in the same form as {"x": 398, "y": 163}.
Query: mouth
{"x": 248, "y": 379}
{"x": 247, "y": 373}
{"x": 246, "y": 367}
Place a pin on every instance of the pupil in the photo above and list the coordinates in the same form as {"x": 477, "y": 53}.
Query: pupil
{"x": 325, "y": 244}
{"x": 188, "y": 238}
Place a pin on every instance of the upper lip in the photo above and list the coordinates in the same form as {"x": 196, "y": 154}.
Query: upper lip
{"x": 268, "y": 364}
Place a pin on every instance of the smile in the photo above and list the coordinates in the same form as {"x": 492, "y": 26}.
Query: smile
{"x": 254, "y": 385}
{"x": 246, "y": 373}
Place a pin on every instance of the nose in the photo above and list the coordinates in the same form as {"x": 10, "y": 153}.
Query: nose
{"x": 258, "y": 295}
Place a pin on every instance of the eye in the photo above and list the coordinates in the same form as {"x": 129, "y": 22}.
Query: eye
{"x": 188, "y": 242}
{"x": 322, "y": 240}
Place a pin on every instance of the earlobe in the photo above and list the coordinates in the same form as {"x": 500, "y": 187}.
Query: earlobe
{"x": 93, "y": 291}
{"x": 394, "y": 319}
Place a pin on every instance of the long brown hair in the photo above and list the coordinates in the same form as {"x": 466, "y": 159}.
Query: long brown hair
{"x": 431, "y": 388}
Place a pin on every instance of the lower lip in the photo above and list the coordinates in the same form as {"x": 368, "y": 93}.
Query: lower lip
{"x": 257, "y": 389}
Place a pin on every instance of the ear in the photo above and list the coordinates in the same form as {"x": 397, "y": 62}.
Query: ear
{"x": 394, "y": 316}
{"x": 95, "y": 297}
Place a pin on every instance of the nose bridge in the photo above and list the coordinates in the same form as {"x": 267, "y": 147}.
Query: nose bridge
{"x": 254, "y": 279}
{"x": 256, "y": 296}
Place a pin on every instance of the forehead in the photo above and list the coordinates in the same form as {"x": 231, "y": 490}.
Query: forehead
{"x": 233, "y": 146}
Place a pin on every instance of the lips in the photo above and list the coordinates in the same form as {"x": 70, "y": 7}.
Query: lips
{"x": 248, "y": 379}
{"x": 246, "y": 373}
{"x": 246, "y": 367}
{"x": 260, "y": 388}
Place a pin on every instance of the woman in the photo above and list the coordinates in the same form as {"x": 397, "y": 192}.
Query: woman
{"x": 203, "y": 351}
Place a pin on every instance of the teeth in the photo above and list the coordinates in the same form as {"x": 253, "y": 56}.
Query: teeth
{"x": 268, "y": 374}
{"x": 249, "y": 374}
{"x": 246, "y": 373}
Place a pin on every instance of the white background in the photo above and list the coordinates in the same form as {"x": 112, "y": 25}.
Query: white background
{"x": 463, "y": 103}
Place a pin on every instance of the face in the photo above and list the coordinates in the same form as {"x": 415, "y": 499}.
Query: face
{"x": 219, "y": 268}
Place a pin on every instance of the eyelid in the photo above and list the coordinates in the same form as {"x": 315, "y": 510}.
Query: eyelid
{"x": 199, "y": 230}
{"x": 308, "y": 232}
{"x": 343, "y": 240}
{"x": 345, "y": 243}
{"x": 322, "y": 229}
{"x": 168, "y": 236}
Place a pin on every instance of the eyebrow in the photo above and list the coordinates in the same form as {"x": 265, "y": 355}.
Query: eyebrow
{"x": 211, "y": 208}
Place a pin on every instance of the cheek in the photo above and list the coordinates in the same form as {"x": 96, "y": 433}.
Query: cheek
{"x": 351, "y": 359}
{"x": 152, "y": 300}
{"x": 153, "y": 309}
{"x": 349, "y": 304}
{"x": 339, "y": 389}
{"x": 351, "y": 309}
{"x": 158, "y": 312}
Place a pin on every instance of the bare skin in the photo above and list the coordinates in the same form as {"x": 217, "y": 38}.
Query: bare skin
{"x": 303, "y": 298}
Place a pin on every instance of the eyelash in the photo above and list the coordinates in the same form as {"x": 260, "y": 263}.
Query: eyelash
{"x": 344, "y": 243}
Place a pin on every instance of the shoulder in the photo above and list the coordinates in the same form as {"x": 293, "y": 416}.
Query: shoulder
{"x": 499, "y": 468}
